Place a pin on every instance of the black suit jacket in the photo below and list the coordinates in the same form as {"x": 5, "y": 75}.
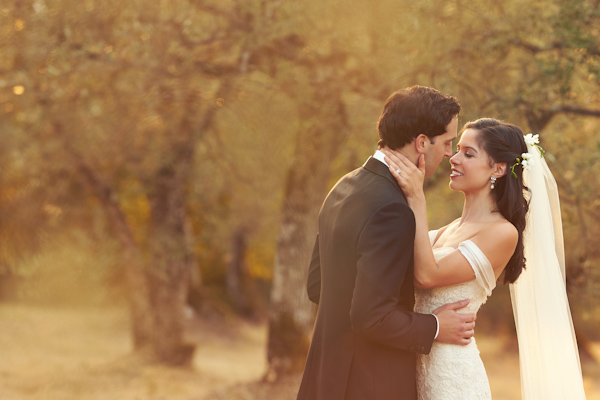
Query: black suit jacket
{"x": 361, "y": 275}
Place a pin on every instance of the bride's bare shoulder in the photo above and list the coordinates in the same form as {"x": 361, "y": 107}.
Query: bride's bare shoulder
{"x": 502, "y": 234}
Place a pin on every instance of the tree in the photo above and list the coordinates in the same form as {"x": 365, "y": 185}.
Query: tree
{"x": 81, "y": 74}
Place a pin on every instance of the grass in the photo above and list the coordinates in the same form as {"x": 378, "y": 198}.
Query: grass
{"x": 50, "y": 353}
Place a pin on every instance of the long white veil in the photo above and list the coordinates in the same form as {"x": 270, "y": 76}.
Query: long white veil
{"x": 548, "y": 356}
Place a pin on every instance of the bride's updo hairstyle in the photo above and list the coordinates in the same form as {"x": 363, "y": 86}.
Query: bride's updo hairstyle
{"x": 504, "y": 143}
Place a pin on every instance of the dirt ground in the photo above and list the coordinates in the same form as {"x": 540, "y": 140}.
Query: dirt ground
{"x": 49, "y": 353}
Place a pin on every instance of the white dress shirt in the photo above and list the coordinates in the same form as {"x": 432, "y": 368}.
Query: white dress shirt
{"x": 380, "y": 156}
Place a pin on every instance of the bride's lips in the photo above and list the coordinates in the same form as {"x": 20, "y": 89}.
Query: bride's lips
{"x": 455, "y": 173}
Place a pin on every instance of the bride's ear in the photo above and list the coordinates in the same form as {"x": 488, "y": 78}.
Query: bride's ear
{"x": 500, "y": 170}
{"x": 421, "y": 143}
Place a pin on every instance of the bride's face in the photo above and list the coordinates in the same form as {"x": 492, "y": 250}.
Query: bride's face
{"x": 471, "y": 169}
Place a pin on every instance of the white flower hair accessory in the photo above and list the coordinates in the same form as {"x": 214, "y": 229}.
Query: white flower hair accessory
{"x": 526, "y": 160}
{"x": 532, "y": 139}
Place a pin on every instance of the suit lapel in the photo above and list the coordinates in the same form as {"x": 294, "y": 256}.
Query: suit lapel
{"x": 377, "y": 167}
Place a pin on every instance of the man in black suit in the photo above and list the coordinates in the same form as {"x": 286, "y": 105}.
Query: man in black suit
{"x": 361, "y": 273}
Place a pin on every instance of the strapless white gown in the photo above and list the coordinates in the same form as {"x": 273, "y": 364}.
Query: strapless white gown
{"x": 453, "y": 372}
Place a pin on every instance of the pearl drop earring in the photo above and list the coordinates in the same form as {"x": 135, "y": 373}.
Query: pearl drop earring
{"x": 493, "y": 179}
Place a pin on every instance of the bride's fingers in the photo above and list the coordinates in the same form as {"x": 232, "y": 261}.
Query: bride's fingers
{"x": 394, "y": 167}
{"x": 421, "y": 163}
{"x": 389, "y": 156}
{"x": 392, "y": 163}
{"x": 397, "y": 156}
{"x": 401, "y": 161}
{"x": 394, "y": 171}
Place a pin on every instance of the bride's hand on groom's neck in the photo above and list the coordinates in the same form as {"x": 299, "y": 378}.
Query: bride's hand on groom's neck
{"x": 409, "y": 176}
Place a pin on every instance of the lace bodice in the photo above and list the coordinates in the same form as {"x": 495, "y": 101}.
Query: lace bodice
{"x": 451, "y": 371}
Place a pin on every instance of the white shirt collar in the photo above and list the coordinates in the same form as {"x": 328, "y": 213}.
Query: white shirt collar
{"x": 380, "y": 156}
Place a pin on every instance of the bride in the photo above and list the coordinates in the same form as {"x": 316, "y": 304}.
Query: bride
{"x": 510, "y": 229}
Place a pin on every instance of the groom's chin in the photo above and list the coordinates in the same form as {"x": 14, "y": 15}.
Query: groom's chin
{"x": 429, "y": 172}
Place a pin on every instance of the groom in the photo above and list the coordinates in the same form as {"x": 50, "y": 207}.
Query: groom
{"x": 361, "y": 273}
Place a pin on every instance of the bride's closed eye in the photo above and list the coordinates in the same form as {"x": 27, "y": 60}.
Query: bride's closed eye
{"x": 467, "y": 154}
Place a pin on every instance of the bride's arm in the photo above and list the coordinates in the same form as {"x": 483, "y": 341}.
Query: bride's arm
{"x": 411, "y": 181}
{"x": 497, "y": 244}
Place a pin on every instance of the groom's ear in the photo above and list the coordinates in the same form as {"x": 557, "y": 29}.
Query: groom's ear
{"x": 500, "y": 170}
{"x": 421, "y": 143}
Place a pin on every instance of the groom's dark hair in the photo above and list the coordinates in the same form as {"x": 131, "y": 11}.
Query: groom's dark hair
{"x": 416, "y": 110}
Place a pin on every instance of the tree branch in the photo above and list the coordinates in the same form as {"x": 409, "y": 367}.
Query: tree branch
{"x": 555, "y": 45}
{"x": 533, "y": 48}
{"x": 575, "y": 110}
{"x": 106, "y": 195}
{"x": 538, "y": 120}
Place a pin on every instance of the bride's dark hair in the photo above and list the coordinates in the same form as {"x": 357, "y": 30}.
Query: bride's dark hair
{"x": 504, "y": 143}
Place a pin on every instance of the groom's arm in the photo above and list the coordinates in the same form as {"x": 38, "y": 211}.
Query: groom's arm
{"x": 385, "y": 248}
{"x": 313, "y": 283}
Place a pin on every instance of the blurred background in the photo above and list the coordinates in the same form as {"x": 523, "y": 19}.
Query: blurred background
{"x": 162, "y": 164}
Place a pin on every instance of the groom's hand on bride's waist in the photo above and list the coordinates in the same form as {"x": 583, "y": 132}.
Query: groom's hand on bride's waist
{"x": 455, "y": 328}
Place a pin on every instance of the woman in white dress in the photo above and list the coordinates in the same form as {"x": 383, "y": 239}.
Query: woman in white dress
{"x": 495, "y": 238}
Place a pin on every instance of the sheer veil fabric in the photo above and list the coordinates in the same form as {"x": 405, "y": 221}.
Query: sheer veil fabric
{"x": 548, "y": 356}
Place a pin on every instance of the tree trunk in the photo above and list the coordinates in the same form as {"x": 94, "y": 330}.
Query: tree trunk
{"x": 237, "y": 276}
{"x": 157, "y": 294}
{"x": 292, "y": 314}
{"x": 171, "y": 258}
{"x": 169, "y": 272}
{"x": 138, "y": 290}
